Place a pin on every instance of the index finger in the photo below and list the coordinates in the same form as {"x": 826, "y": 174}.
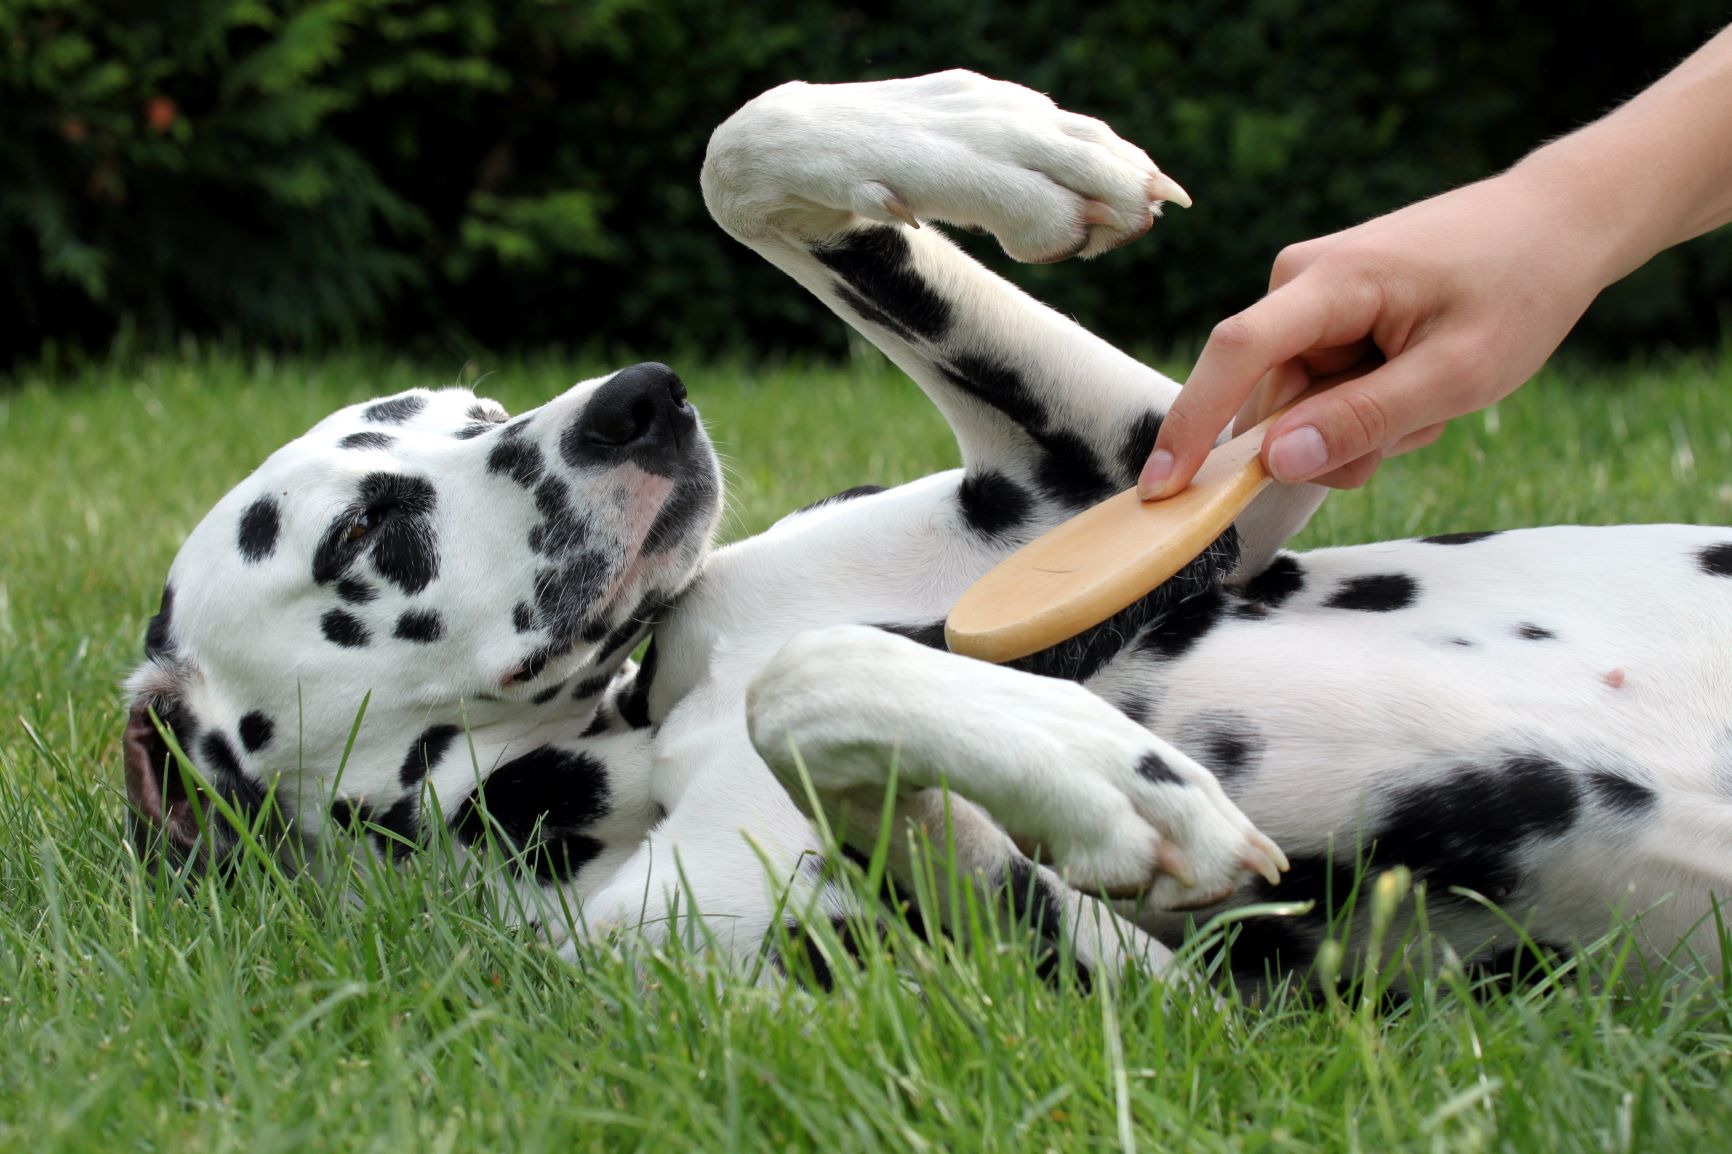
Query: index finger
{"x": 1306, "y": 313}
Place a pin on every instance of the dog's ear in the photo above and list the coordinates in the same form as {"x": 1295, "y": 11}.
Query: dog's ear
{"x": 163, "y": 816}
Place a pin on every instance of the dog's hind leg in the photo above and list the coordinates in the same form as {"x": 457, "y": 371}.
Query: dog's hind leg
{"x": 829, "y": 183}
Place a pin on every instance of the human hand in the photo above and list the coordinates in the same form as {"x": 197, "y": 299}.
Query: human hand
{"x": 1417, "y": 317}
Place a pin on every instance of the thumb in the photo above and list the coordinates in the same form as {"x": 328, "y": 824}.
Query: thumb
{"x": 1356, "y": 418}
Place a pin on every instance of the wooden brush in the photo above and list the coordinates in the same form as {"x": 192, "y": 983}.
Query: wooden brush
{"x": 1082, "y": 572}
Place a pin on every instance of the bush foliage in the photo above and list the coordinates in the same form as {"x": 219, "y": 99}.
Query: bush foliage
{"x": 487, "y": 172}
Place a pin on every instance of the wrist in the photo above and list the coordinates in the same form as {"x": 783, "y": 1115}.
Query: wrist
{"x": 1607, "y": 230}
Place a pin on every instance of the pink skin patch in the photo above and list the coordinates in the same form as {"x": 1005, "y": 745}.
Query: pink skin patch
{"x": 646, "y": 493}
{"x": 1615, "y": 679}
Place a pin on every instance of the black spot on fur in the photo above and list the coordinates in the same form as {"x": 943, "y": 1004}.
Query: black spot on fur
{"x": 1033, "y": 905}
{"x": 482, "y": 411}
{"x": 344, "y": 630}
{"x": 1377, "y": 593}
{"x": 425, "y": 753}
{"x": 804, "y": 956}
{"x": 397, "y": 831}
{"x": 591, "y": 687}
{"x": 371, "y": 439}
{"x": 1716, "y": 560}
{"x": 561, "y": 530}
{"x": 420, "y": 625}
{"x": 1534, "y": 632}
{"x": 548, "y": 694}
{"x": 1461, "y": 642}
{"x": 346, "y": 813}
{"x": 470, "y": 432}
{"x": 1470, "y": 827}
{"x": 218, "y": 757}
{"x": 259, "y": 525}
{"x": 520, "y": 460}
{"x": 629, "y": 631}
{"x": 534, "y": 664}
{"x": 522, "y": 617}
{"x": 402, "y": 543}
{"x": 255, "y": 730}
{"x": 1275, "y": 584}
{"x": 157, "y": 642}
{"x": 1620, "y": 793}
{"x": 599, "y": 724}
{"x": 878, "y": 265}
{"x": 999, "y": 385}
{"x": 1068, "y": 472}
{"x": 1138, "y": 444}
{"x": 541, "y": 803}
{"x": 394, "y": 411}
{"x": 838, "y": 498}
{"x": 1154, "y": 768}
{"x": 1134, "y": 708}
{"x": 872, "y": 314}
{"x": 566, "y": 593}
{"x": 356, "y": 592}
{"x": 993, "y": 504}
{"x": 633, "y": 704}
{"x": 1460, "y": 538}
{"x": 1176, "y": 633}
{"x": 1271, "y": 946}
{"x": 1225, "y": 741}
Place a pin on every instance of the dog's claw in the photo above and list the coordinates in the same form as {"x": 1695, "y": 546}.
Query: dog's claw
{"x": 1164, "y": 187}
{"x": 1268, "y": 845}
{"x": 1265, "y": 859}
{"x": 1172, "y": 861}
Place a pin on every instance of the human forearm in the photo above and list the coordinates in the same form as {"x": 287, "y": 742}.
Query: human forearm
{"x": 1653, "y": 173}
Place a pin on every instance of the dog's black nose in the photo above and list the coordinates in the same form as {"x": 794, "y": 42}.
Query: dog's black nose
{"x": 640, "y": 416}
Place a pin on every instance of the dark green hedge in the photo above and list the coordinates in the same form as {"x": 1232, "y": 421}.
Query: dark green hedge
{"x": 485, "y": 173}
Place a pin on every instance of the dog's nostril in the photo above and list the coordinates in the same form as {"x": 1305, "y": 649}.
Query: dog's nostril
{"x": 621, "y": 425}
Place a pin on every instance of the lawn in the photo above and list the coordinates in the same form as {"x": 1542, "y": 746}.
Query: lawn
{"x": 257, "y": 1016}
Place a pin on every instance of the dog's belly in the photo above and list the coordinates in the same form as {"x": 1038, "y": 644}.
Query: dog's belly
{"x": 1471, "y": 705}
{"x": 1409, "y": 651}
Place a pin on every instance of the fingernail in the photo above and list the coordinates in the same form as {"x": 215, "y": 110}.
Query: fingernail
{"x": 1153, "y": 482}
{"x": 1297, "y": 454}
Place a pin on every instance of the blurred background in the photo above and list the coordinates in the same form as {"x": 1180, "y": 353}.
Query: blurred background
{"x": 463, "y": 177}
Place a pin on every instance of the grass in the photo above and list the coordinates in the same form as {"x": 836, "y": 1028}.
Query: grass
{"x": 262, "y": 1017}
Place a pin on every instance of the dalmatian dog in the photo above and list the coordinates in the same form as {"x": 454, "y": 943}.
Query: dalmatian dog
{"x": 422, "y": 611}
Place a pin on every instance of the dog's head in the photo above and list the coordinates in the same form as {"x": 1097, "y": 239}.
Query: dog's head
{"x": 428, "y": 555}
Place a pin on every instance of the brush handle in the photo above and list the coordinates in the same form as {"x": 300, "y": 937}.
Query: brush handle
{"x": 1083, "y": 571}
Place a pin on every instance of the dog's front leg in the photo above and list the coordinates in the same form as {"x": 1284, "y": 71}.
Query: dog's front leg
{"x": 1113, "y": 807}
{"x": 831, "y": 183}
